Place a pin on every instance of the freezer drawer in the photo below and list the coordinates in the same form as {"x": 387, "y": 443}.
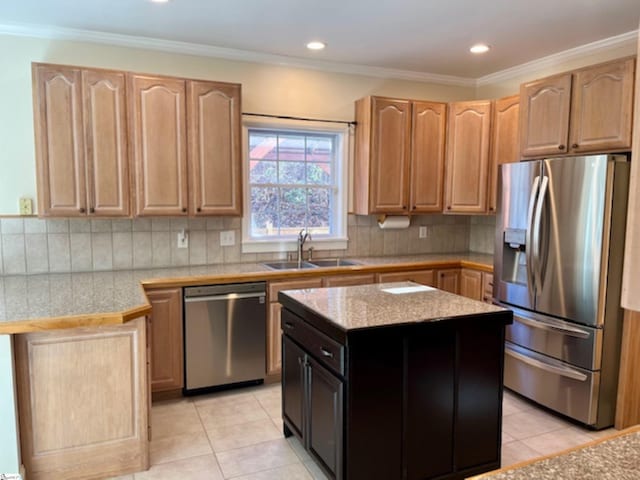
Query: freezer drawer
{"x": 575, "y": 344}
{"x": 561, "y": 387}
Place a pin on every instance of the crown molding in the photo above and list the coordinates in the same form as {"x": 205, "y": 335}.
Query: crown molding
{"x": 629, "y": 38}
{"x": 57, "y": 33}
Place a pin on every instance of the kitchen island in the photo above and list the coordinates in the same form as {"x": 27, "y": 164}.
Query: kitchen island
{"x": 393, "y": 381}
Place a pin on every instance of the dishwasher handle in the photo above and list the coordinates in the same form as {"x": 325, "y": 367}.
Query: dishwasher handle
{"x": 227, "y": 296}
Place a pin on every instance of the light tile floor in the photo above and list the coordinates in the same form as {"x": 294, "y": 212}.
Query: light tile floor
{"x": 238, "y": 434}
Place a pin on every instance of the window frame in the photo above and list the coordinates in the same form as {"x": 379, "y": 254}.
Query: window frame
{"x": 286, "y": 243}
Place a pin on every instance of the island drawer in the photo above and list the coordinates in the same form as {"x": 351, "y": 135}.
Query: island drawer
{"x": 324, "y": 349}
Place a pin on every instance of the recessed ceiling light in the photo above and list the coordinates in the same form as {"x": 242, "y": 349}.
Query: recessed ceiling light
{"x": 159, "y": 1}
{"x": 479, "y": 48}
{"x": 315, "y": 45}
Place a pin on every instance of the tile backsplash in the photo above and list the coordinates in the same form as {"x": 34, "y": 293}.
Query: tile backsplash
{"x": 33, "y": 245}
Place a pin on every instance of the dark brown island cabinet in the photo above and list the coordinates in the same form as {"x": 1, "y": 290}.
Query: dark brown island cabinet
{"x": 393, "y": 381}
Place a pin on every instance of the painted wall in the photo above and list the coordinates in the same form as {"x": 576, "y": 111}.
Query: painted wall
{"x": 265, "y": 89}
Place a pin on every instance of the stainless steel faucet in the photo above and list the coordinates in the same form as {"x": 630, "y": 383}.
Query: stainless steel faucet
{"x": 303, "y": 236}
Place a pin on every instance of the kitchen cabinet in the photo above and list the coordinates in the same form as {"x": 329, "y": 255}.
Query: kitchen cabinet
{"x": 165, "y": 339}
{"x": 347, "y": 280}
{"x": 467, "y": 163}
{"x": 274, "y": 332}
{"x": 399, "y": 159}
{"x": 425, "y": 277}
{"x": 159, "y": 137}
{"x": 588, "y": 110}
{"x": 471, "y": 283}
{"x": 215, "y": 153}
{"x": 505, "y": 142}
{"x": 81, "y": 141}
{"x": 83, "y": 401}
{"x": 487, "y": 287}
{"x": 449, "y": 280}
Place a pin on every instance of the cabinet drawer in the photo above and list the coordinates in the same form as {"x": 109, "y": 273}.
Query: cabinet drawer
{"x": 275, "y": 287}
{"x": 324, "y": 349}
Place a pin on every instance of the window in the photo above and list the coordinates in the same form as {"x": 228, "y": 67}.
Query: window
{"x": 295, "y": 178}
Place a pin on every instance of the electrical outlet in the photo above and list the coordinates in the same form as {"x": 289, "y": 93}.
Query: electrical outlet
{"x": 26, "y": 206}
{"x": 183, "y": 239}
{"x": 423, "y": 232}
{"x": 227, "y": 238}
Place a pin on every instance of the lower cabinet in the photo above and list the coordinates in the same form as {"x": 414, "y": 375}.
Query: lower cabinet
{"x": 449, "y": 280}
{"x": 487, "y": 287}
{"x": 471, "y": 283}
{"x": 166, "y": 355}
{"x": 83, "y": 401}
{"x": 425, "y": 277}
{"x": 312, "y": 400}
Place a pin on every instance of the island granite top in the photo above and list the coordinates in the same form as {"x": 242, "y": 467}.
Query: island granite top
{"x": 384, "y": 304}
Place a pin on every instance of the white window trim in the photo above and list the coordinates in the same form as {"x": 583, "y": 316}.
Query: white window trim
{"x": 337, "y": 242}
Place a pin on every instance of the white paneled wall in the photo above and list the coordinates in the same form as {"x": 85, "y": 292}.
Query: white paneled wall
{"x": 33, "y": 245}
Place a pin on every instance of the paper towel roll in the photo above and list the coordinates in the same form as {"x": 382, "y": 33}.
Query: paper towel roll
{"x": 394, "y": 222}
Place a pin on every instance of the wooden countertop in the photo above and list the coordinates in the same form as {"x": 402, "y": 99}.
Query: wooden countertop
{"x": 66, "y": 300}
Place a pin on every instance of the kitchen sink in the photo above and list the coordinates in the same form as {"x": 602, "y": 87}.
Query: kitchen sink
{"x": 288, "y": 265}
{"x": 334, "y": 262}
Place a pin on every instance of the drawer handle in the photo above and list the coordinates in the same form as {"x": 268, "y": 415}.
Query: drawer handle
{"x": 326, "y": 353}
{"x": 288, "y": 325}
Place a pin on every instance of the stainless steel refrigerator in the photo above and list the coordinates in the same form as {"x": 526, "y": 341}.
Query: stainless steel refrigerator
{"x": 558, "y": 265}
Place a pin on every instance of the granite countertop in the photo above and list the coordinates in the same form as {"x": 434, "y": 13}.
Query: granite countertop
{"x": 611, "y": 458}
{"x": 384, "y": 304}
{"x": 63, "y": 300}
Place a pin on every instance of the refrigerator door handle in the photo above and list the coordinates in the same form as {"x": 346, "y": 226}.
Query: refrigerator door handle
{"x": 571, "y": 332}
{"x": 562, "y": 371}
{"x": 528, "y": 239}
{"x": 535, "y": 254}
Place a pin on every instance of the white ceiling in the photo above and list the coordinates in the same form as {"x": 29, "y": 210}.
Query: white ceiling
{"x": 423, "y": 36}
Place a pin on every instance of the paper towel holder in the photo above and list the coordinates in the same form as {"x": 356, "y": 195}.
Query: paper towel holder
{"x": 383, "y": 218}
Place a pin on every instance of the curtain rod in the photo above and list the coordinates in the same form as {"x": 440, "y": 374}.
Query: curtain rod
{"x": 287, "y": 117}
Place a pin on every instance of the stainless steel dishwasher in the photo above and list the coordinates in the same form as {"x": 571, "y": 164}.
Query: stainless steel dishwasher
{"x": 224, "y": 335}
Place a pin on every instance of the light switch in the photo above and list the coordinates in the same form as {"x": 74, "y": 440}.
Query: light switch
{"x": 227, "y": 238}
{"x": 423, "y": 232}
{"x": 26, "y": 206}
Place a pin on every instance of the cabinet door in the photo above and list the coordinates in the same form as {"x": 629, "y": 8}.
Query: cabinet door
{"x": 425, "y": 277}
{"x": 449, "y": 280}
{"x": 471, "y": 284}
{"x": 274, "y": 340}
{"x": 391, "y": 141}
{"x": 165, "y": 339}
{"x": 467, "y": 157}
{"x": 602, "y": 106}
{"x": 505, "y": 147}
{"x": 544, "y": 116}
{"x": 293, "y": 384}
{"x": 487, "y": 287}
{"x": 325, "y": 410}
{"x": 347, "y": 280}
{"x": 427, "y": 156}
{"x": 159, "y": 145}
{"x": 214, "y": 148}
{"x": 57, "y": 104}
{"x": 105, "y": 129}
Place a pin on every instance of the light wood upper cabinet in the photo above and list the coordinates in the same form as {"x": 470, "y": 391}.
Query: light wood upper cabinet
{"x": 544, "y": 110}
{"x": 602, "y": 107}
{"x": 467, "y": 157}
{"x": 588, "y": 110}
{"x": 165, "y": 339}
{"x": 504, "y": 142}
{"x": 81, "y": 141}
{"x": 59, "y": 140}
{"x": 105, "y": 123}
{"x": 427, "y": 156}
{"x": 158, "y": 113}
{"x": 399, "y": 159}
{"x": 214, "y": 148}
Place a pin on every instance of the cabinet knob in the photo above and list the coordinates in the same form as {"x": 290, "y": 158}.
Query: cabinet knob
{"x": 413, "y": 208}
{"x": 82, "y": 210}
{"x": 575, "y": 145}
{"x": 198, "y": 209}
{"x": 448, "y": 207}
{"x": 184, "y": 209}
{"x": 491, "y": 209}
{"x": 404, "y": 207}
{"x": 560, "y": 147}
{"x": 92, "y": 210}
